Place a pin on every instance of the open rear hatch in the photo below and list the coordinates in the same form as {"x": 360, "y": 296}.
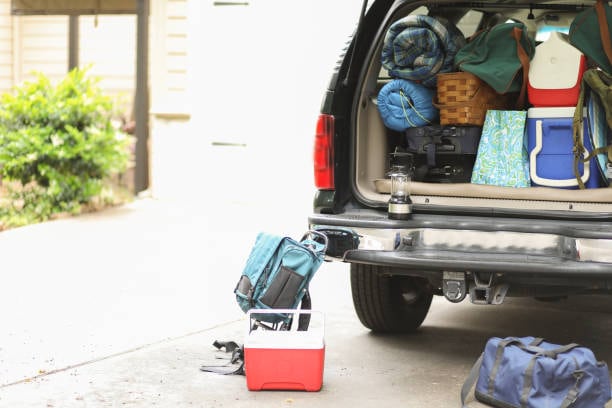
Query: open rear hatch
{"x": 374, "y": 141}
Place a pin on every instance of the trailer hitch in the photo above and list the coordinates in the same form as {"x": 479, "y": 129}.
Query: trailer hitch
{"x": 487, "y": 293}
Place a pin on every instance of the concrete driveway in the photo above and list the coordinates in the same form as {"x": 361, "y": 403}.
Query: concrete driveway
{"x": 120, "y": 309}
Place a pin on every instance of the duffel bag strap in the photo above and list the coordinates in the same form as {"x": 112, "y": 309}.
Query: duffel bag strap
{"x": 564, "y": 349}
{"x": 572, "y": 394}
{"x": 498, "y": 358}
{"x": 470, "y": 380}
{"x": 551, "y": 353}
{"x": 500, "y": 354}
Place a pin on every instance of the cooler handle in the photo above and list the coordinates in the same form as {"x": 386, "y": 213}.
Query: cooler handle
{"x": 551, "y": 182}
{"x": 295, "y": 312}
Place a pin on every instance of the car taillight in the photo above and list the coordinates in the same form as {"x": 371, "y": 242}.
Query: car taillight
{"x": 324, "y": 153}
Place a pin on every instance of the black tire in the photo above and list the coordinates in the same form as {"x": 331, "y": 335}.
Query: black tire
{"x": 388, "y": 303}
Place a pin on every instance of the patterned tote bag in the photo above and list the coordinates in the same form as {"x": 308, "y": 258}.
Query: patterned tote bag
{"x": 502, "y": 158}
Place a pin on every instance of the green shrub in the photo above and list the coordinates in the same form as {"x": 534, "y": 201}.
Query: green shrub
{"x": 58, "y": 145}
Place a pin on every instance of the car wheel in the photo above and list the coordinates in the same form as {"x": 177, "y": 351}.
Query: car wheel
{"x": 389, "y": 303}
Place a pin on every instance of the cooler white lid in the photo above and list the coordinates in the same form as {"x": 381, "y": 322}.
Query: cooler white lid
{"x": 555, "y": 112}
{"x": 555, "y": 65}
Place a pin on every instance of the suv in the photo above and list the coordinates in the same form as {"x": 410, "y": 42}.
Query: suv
{"x": 461, "y": 240}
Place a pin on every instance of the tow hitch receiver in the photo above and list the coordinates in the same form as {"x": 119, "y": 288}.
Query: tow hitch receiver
{"x": 487, "y": 293}
{"x": 454, "y": 286}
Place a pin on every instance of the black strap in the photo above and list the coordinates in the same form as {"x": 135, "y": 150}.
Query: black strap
{"x": 235, "y": 365}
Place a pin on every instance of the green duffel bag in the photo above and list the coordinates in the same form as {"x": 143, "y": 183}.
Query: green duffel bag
{"x": 500, "y": 56}
{"x": 590, "y": 34}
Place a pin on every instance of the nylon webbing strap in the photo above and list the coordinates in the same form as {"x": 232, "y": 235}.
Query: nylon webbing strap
{"x": 499, "y": 354}
{"x": 565, "y": 348}
{"x": 577, "y": 126}
{"x": 528, "y": 383}
{"x": 572, "y": 394}
{"x": 536, "y": 341}
{"x": 470, "y": 380}
{"x": 528, "y": 380}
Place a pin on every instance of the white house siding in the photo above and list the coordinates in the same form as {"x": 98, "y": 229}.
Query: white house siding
{"x": 41, "y": 46}
{"x": 175, "y": 145}
{"x": 33, "y": 44}
{"x": 254, "y": 75}
{"x": 249, "y": 75}
{"x": 176, "y": 49}
{"x": 108, "y": 44}
{"x": 169, "y": 57}
{"x": 6, "y": 46}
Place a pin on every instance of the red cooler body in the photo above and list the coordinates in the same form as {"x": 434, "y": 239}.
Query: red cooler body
{"x": 285, "y": 360}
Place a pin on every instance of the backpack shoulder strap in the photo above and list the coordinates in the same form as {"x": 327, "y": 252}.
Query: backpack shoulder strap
{"x": 577, "y": 129}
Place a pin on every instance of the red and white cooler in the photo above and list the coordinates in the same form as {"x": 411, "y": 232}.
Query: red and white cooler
{"x": 555, "y": 73}
{"x": 285, "y": 359}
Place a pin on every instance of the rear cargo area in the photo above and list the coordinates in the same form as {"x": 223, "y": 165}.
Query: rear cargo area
{"x": 375, "y": 141}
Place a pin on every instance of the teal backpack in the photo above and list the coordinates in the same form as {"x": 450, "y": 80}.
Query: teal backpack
{"x": 277, "y": 273}
{"x": 590, "y": 33}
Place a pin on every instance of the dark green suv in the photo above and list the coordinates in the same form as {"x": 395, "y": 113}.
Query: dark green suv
{"x": 462, "y": 240}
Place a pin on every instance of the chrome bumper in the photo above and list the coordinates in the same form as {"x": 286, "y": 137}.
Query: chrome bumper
{"x": 477, "y": 244}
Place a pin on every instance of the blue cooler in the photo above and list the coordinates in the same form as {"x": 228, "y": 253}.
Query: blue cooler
{"x": 550, "y": 144}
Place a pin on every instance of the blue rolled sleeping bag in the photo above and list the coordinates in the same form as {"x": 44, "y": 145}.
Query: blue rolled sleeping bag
{"x": 403, "y": 104}
{"x": 418, "y": 48}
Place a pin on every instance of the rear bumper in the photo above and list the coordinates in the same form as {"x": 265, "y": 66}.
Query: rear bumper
{"x": 428, "y": 261}
{"x": 432, "y": 244}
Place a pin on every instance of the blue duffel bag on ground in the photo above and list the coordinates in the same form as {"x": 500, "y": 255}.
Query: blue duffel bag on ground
{"x": 528, "y": 372}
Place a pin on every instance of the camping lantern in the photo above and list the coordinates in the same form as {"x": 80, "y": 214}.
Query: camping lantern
{"x": 400, "y": 205}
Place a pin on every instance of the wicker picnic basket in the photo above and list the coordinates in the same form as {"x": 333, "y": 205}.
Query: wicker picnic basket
{"x": 464, "y": 99}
